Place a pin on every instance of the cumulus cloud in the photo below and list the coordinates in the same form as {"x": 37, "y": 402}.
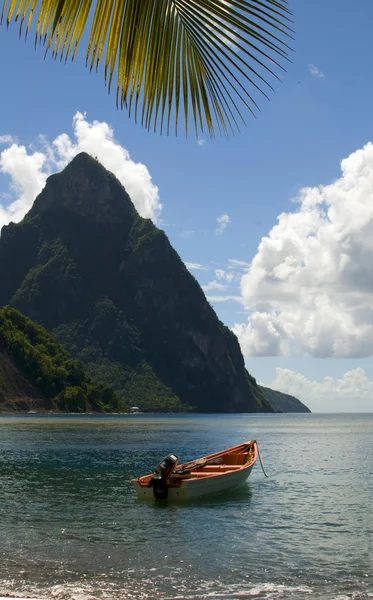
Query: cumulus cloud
{"x": 240, "y": 265}
{"x": 315, "y": 72}
{"x": 214, "y": 299}
{"x": 222, "y": 275}
{"x": 195, "y": 266}
{"x": 27, "y": 174}
{"x": 224, "y": 280}
{"x": 6, "y": 139}
{"x": 353, "y": 391}
{"x": 261, "y": 336}
{"x": 214, "y": 286}
{"x": 223, "y": 222}
{"x": 28, "y": 168}
{"x": 309, "y": 288}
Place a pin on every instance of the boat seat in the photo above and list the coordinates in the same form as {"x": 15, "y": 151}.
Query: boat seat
{"x": 201, "y": 474}
{"x": 218, "y": 468}
{"x": 236, "y": 459}
{"x": 208, "y": 471}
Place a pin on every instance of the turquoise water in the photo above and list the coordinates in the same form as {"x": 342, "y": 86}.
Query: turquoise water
{"x": 71, "y": 527}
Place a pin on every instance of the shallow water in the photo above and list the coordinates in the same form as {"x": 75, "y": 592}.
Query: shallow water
{"x": 71, "y": 527}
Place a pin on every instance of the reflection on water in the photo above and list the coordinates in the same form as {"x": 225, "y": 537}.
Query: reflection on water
{"x": 70, "y": 524}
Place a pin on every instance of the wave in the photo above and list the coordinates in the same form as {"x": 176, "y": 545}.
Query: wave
{"x": 155, "y": 589}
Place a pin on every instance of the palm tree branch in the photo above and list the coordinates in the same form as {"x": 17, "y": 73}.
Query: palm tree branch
{"x": 237, "y": 18}
{"x": 219, "y": 39}
{"x": 204, "y": 55}
{"x": 238, "y": 36}
{"x": 218, "y": 85}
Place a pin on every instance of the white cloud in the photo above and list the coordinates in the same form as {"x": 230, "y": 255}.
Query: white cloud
{"x": 352, "y": 392}
{"x": 29, "y": 168}
{"x": 309, "y": 288}
{"x": 261, "y": 336}
{"x": 214, "y": 286}
{"x": 6, "y": 139}
{"x": 222, "y": 275}
{"x": 223, "y": 222}
{"x": 195, "y": 266}
{"x": 201, "y": 142}
{"x": 213, "y": 299}
{"x": 28, "y": 175}
{"x": 315, "y": 72}
{"x": 238, "y": 264}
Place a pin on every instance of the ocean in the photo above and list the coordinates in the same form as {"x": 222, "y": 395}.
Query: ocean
{"x": 72, "y": 528}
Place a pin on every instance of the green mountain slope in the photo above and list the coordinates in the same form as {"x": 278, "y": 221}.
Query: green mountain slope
{"x": 284, "y": 402}
{"x": 37, "y": 373}
{"x": 117, "y": 296}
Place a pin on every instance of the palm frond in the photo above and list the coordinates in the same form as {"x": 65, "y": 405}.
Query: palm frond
{"x": 205, "y": 59}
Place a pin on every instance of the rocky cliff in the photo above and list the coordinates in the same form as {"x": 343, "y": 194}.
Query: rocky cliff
{"x": 284, "y": 402}
{"x": 117, "y": 296}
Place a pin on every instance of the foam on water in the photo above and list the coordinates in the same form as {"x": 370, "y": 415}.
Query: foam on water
{"x": 207, "y": 591}
{"x": 149, "y": 590}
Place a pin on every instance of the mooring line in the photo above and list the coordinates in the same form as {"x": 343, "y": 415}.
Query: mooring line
{"x": 260, "y": 460}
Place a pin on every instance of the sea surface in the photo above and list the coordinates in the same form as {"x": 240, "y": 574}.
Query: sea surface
{"x": 71, "y": 527}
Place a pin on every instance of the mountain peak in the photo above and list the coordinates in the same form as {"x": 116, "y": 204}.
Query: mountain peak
{"x": 84, "y": 187}
{"x": 116, "y": 294}
{"x": 85, "y": 161}
{"x": 83, "y": 157}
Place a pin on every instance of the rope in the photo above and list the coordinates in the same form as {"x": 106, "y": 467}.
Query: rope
{"x": 261, "y": 464}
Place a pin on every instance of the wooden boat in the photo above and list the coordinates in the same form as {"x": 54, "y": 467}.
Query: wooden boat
{"x": 211, "y": 474}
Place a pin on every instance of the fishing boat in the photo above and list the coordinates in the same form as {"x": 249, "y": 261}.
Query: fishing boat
{"x": 211, "y": 474}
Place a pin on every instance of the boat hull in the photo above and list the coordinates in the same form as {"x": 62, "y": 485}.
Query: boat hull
{"x": 216, "y": 473}
{"x": 195, "y": 488}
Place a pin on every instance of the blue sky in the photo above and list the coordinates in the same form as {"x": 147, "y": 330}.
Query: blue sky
{"x": 309, "y": 324}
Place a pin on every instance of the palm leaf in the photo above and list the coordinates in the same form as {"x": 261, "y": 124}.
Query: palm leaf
{"x": 205, "y": 59}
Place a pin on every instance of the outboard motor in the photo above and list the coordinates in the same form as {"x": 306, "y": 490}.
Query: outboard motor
{"x": 160, "y": 476}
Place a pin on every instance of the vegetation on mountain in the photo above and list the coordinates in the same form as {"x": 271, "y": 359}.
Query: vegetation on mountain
{"x": 206, "y": 60}
{"x": 112, "y": 290}
{"x": 54, "y": 378}
{"x": 284, "y": 402}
